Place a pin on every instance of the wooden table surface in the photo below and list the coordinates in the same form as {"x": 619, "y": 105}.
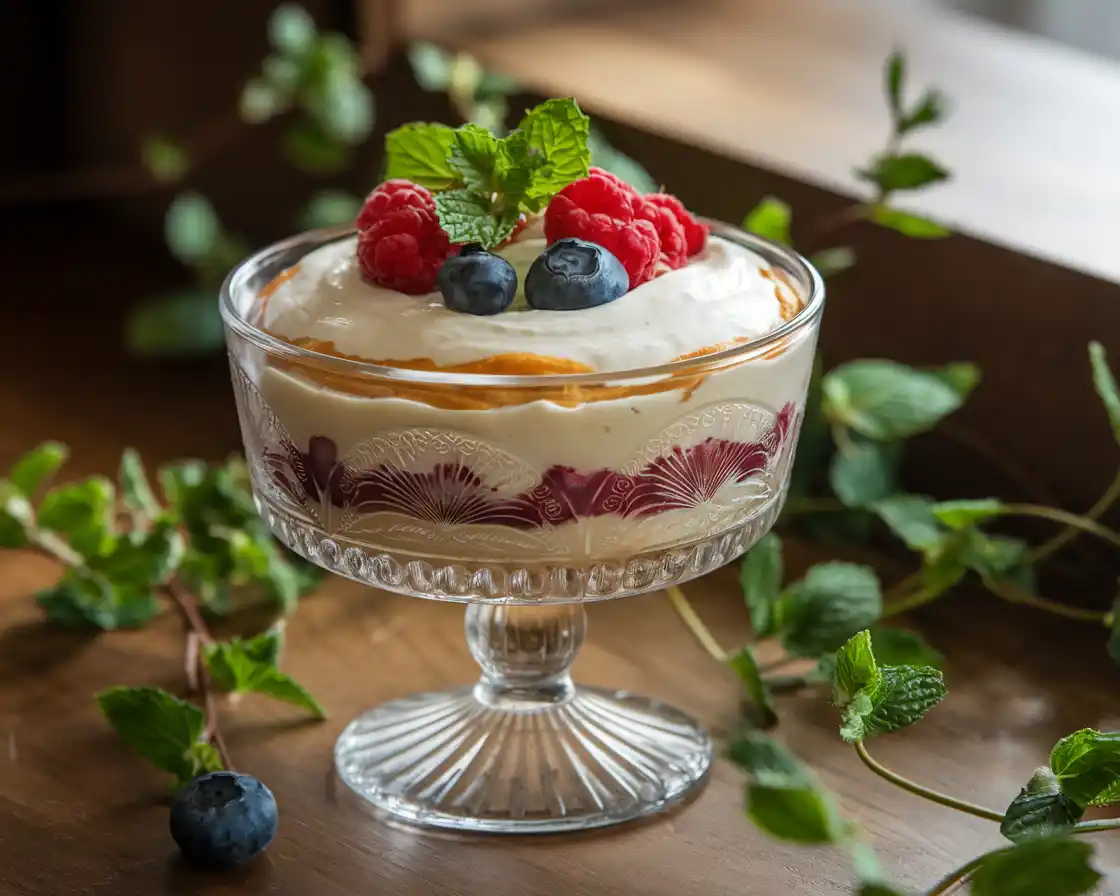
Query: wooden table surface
{"x": 79, "y": 814}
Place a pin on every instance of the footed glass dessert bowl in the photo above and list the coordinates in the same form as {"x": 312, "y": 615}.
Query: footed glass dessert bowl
{"x": 523, "y": 385}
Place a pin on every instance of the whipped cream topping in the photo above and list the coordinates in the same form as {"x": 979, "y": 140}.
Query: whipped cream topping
{"x": 719, "y": 297}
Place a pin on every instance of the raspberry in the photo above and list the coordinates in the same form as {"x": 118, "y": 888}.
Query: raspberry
{"x": 390, "y": 196}
{"x": 613, "y": 178}
{"x": 601, "y": 209}
{"x": 403, "y": 250}
{"x": 695, "y": 233}
{"x": 670, "y": 233}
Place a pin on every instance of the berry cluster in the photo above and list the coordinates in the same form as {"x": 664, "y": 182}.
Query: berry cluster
{"x": 400, "y": 243}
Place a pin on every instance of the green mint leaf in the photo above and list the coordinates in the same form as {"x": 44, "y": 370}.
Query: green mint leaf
{"x": 291, "y": 30}
{"x": 158, "y": 726}
{"x": 1087, "y": 764}
{"x": 962, "y": 376}
{"x": 142, "y": 560}
{"x": 884, "y": 401}
{"x": 760, "y": 576}
{"x": 909, "y": 171}
{"x": 420, "y": 153}
{"x": 136, "y": 490}
{"x": 895, "y": 76}
{"x": 82, "y": 513}
{"x": 795, "y": 813}
{"x": 867, "y": 869}
{"x": 431, "y": 66}
{"x": 930, "y": 109}
{"x": 863, "y": 472}
{"x": 262, "y": 100}
{"x": 744, "y": 664}
{"x": 488, "y": 166}
{"x": 521, "y": 171}
{"x": 1105, "y": 384}
{"x": 608, "y": 157}
{"x": 191, "y": 228}
{"x": 877, "y": 889}
{"x": 1040, "y": 810}
{"x": 856, "y": 668}
{"x": 283, "y": 687}
{"x": 467, "y": 218}
{"x": 558, "y": 130}
{"x": 833, "y": 261}
{"x": 899, "y": 647}
{"x": 945, "y": 563}
{"x": 16, "y": 516}
{"x": 964, "y": 513}
{"x": 181, "y": 324}
{"x": 830, "y": 604}
{"x": 341, "y": 104}
{"x": 203, "y": 758}
{"x": 770, "y": 219}
{"x": 330, "y": 208}
{"x": 907, "y": 224}
{"x": 307, "y": 146}
{"x": 997, "y": 557}
{"x": 766, "y": 760}
{"x": 165, "y": 160}
{"x": 37, "y": 467}
{"x": 1054, "y": 866}
{"x": 249, "y": 666}
{"x": 900, "y": 697}
{"x": 87, "y": 599}
{"x": 911, "y": 519}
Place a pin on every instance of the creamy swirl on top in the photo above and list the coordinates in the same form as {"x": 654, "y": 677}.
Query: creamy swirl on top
{"x": 724, "y": 295}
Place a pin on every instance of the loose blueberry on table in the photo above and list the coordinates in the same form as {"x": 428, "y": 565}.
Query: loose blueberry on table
{"x": 477, "y": 282}
{"x": 574, "y": 274}
{"x": 222, "y": 819}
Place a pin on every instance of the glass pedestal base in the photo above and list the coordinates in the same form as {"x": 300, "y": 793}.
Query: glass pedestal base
{"x": 472, "y": 761}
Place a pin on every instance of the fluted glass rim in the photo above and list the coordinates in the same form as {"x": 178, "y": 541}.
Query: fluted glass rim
{"x": 807, "y": 278}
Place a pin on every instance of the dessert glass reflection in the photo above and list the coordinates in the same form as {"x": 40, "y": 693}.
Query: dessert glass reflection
{"x": 524, "y": 496}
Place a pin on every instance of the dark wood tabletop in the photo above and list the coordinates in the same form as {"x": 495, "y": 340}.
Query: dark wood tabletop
{"x": 80, "y": 814}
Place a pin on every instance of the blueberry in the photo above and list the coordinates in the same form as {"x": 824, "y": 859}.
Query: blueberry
{"x": 573, "y": 274}
{"x": 477, "y": 282}
{"x": 223, "y": 819}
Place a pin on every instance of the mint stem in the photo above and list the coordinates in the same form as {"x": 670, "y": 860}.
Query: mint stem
{"x": 1016, "y": 595}
{"x": 918, "y": 790}
{"x": 1072, "y": 520}
{"x": 1059, "y": 541}
{"x": 695, "y": 624}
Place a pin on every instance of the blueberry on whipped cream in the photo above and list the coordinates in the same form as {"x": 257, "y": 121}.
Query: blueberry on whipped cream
{"x": 573, "y": 274}
{"x": 477, "y": 282}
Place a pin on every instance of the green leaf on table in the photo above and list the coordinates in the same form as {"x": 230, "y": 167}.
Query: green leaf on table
{"x": 557, "y": 129}
{"x": 833, "y": 261}
{"x": 182, "y": 324}
{"x": 766, "y": 760}
{"x": 910, "y": 518}
{"x": 909, "y": 171}
{"x": 37, "y": 467}
{"x": 431, "y": 66}
{"x": 191, "y": 227}
{"x": 1105, "y": 384}
{"x": 467, "y": 218}
{"x": 243, "y": 666}
{"x": 344, "y": 107}
{"x": 900, "y": 647}
{"x": 899, "y": 697}
{"x": 856, "y": 668}
{"x": 1087, "y": 765}
{"x": 420, "y": 152}
{"x": 262, "y": 100}
{"x": 291, "y": 30}
{"x": 929, "y": 109}
{"x": 82, "y": 513}
{"x": 834, "y": 601}
{"x": 1045, "y": 866}
{"x": 771, "y": 220}
{"x": 308, "y": 146}
{"x": 907, "y": 224}
{"x": 85, "y": 599}
{"x": 142, "y": 559}
{"x": 760, "y": 575}
{"x": 136, "y": 490}
{"x": 165, "y": 160}
{"x": 161, "y": 728}
{"x": 883, "y": 400}
{"x": 895, "y": 78}
{"x": 863, "y": 472}
{"x": 964, "y": 513}
{"x": 16, "y": 516}
{"x": 608, "y": 157}
{"x": 744, "y": 665}
{"x": 330, "y": 208}
{"x": 1040, "y": 809}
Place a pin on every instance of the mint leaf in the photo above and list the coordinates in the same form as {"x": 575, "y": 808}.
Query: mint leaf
{"x": 558, "y": 130}
{"x": 474, "y": 155}
{"x": 829, "y": 605}
{"x": 961, "y": 376}
{"x": 864, "y": 472}
{"x": 420, "y": 152}
{"x": 467, "y": 218}
{"x": 930, "y": 109}
{"x": 82, "y": 513}
{"x": 262, "y": 100}
{"x": 856, "y": 668}
{"x": 142, "y": 560}
{"x": 910, "y": 517}
{"x": 87, "y": 598}
{"x": 307, "y": 145}
{"x": 283, "y": 687}
{"x": 249, "y": 666}
{"x": 877, "y": 889}
{"x": 291, "y": 30}
{"x": 766, "y": 760}
{"x": 944, "y": 562}
{"x": 899, "y": 647}
{"x": 884, "y": 400}
{"x": 907, "y": 224}
{"x": 330, "y": 208}
{"x": 1105, "y": 384}
{"x": 180, "y": 324}
{"x": 895, "y": 75}
{"x": 744, "y": 664}
{"x": 161, "y": 728}
{"x": 1040, "y": 810}
{"x": 136, "y": 490}
{"x": 431, "y": 66}
{"x": 37, "y": 467}
{"x": 1047, "y": 866}
{"x": 898, "y": 698}
{"x": 833, "y": 261}
{"x": 1087, "y": 765}
{"x": 191, "y": 228}
{"x": 770, "y": 219}
{"x": 760, "y": 576}
{"x": 16, "y": 516}
{"x": 796, "y": 814}
{"x": 909, "y": 171}
{"x": 964, "y": 513}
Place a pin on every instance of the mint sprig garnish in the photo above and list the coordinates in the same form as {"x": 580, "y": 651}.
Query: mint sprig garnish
{"x": 251, "y": 666}
{"x": 484, "y": 183}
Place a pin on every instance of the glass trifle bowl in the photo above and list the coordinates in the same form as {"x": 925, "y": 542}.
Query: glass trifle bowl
{"x": 524, "y": 497}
